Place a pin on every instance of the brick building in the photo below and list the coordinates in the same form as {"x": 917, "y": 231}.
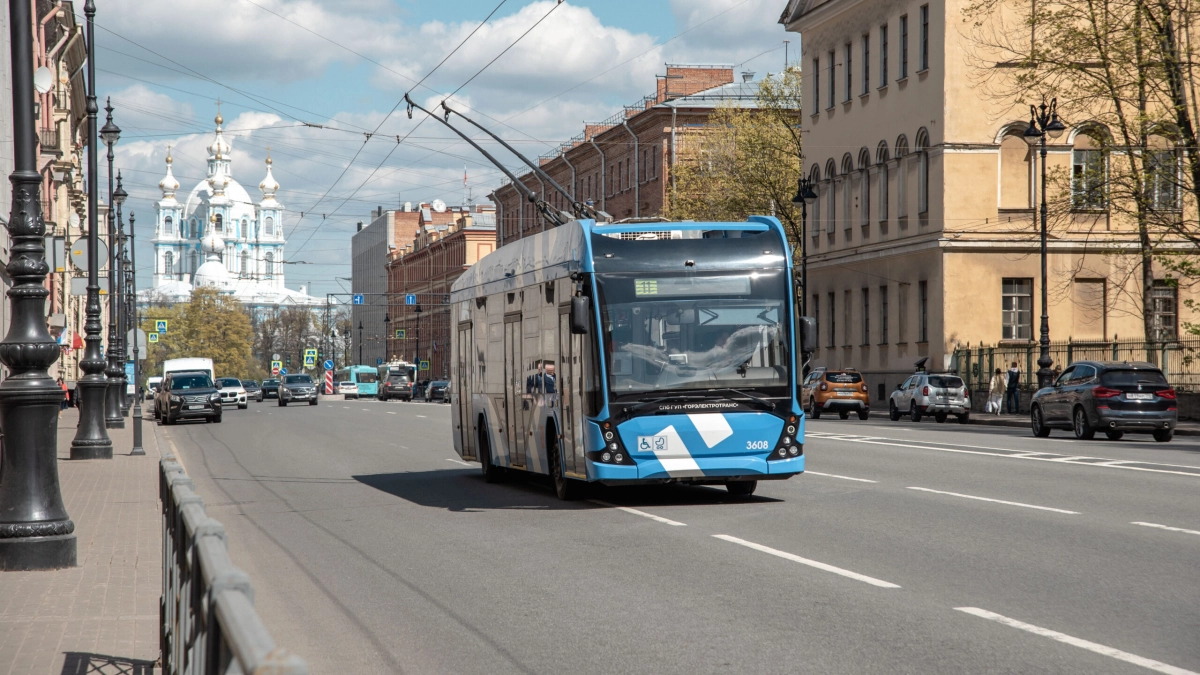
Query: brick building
{"x": 622, "y": 165}
{"x": 446, "y": 243}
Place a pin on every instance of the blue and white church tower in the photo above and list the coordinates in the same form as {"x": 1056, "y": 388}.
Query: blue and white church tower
{"x": 220, "y": 210}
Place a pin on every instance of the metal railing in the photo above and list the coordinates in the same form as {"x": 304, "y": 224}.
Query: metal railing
{"x": 1179, "y": 359}
{"x": 209, "y": 624}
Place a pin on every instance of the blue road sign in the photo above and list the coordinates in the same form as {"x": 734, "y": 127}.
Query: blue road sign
{"x": 283, "y": 371}
{"x": 328, "y": 364}
{"x": 410, "y": 299}
{"x": 424, "y": 364}
{"x": 378, "y": 361}
{"x": 358, "y": 299}
{"x": 160, "y": 326}
{"x": 310, "y": 361}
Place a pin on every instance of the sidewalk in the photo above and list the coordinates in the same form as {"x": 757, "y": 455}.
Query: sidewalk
{"x": 103, "y": 615}
{"x": 1185, "y": 428}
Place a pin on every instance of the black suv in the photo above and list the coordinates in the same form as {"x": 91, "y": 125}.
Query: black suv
{"x": 396, "y": 386}
{"x": 296, "y": 389}
{"x": 252, "y": 390}
{"x": 187, "y": 395}
{"x": 1109, "y": 396}
{"x": 270, "y": 389}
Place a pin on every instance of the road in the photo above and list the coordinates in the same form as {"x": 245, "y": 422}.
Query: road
{"x": 905, "y": 549}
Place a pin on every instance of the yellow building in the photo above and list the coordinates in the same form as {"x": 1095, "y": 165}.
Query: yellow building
{"x": 924, "y": 237}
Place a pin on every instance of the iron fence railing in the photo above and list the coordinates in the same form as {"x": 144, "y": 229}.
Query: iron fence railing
{"x": 1178, "y": 359}
{"x": 209, "y": 624}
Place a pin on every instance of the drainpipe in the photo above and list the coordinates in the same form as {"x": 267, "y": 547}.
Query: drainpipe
{"x": 499, "y": 223}
{"x": 603, "y": 173}
{"x": 674, "y": 111}
{"x": 637, "y": 173}
{"x": 573, "y": 188}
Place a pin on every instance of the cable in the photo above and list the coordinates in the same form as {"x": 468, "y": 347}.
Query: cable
{"x": 557, "y": 4}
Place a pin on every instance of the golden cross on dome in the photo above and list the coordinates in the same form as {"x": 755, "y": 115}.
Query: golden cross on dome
{"x": 219, "y": 120}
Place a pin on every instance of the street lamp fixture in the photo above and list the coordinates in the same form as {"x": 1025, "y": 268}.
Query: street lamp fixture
{"x": 805, "y": 195}
{"x": 360, "y": 343}
{"x": 120, "y": 297}
{"x": 1043, "y": 123}
{"x": 417, "y": 310}
{"x": 109, "y": 133}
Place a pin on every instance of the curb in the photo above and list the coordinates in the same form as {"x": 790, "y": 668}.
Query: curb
{"x": 991, "y": 420}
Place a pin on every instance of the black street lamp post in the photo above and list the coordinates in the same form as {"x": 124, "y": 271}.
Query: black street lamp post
{"x": 91, "y": 439}
{"x": 387, "y": 335}
{"x": 805, "y": 195}
{"x": 417, "y": 311}
{"x": 137, "y": 368}
{"x": 35, "y": 531}
{"x": 121, "y": 296}
{"x": 110, "y": 133}
{"x": 1043, "y": 122}
{"x": 360, "y": 343}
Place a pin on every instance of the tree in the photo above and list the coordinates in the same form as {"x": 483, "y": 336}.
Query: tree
{"x": 745, "y": 161}
{"x": 210, "y": 325}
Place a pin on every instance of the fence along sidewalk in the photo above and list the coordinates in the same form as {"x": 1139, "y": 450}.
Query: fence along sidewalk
{"x": 209, "y": 624}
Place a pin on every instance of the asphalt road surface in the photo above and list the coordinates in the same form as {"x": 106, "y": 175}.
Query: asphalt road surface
{"x": 906, "y": 548}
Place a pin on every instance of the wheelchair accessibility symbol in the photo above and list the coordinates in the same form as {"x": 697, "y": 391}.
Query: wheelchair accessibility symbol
{"x": 652, "y": 443}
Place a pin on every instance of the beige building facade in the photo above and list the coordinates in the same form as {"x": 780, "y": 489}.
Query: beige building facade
{"x": 924, "y": 238}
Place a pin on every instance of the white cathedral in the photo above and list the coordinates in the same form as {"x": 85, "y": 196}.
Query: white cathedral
{"x": 220, "y": 238}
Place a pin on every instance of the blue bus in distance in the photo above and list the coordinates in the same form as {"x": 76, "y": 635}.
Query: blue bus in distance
{"x": 651, "y": 352}
{"x": 366, "y": 378}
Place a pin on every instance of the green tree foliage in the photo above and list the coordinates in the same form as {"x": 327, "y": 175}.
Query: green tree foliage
{"x": 211, "y": 325}
{"x": 747, "y": 161}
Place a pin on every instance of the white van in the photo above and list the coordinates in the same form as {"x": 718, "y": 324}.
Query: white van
{"x": 152, "y": 384}
{"x": 179, "y": 365}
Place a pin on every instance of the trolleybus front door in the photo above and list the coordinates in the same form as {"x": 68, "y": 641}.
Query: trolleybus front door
{"x": 513, "y": 391}
{"x": 565, "y": 389}
{"x": 464, "y": 388}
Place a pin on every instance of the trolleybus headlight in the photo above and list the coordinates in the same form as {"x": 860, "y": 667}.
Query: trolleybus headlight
{"x": 606, "y": 457}
{"x": 785, "y": 440}
{"x": 783, "y": 452}
{"x": 791, "y": 429}
{"x": 613, "y": 446}
{"x": 794, "y": 451}
{"x": 620, "y": 458}
{"x": 608, "y": 435}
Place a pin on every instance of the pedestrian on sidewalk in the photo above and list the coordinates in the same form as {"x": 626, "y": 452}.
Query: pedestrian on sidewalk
{"x": 996, "y": 391}
{"x": 1012, "y": 399}
{"x": 66, "y": 402}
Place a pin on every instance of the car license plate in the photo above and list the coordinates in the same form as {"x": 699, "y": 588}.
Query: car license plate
{"x": 845, "y": 393}
{"x": 195, "y": 407}
{"x": 1139, "y": 397}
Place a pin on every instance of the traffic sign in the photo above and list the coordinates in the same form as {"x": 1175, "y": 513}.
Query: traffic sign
{"x": 160, "y": 326}
{"x": 283, "y": 371}
{"x": 275, "y": 371}
{"x": 328, "y": 364}
{"x": 310, "y": 352}
{"x": 399, "y": 333}
{"x": 152, "y": 338}
{"x": 328, "y": 381}
{"x": 410, "y": 299}
{"x": 378, "y": 361}
{"x": 310, "y": 361}
{"x": 79, "y": 253}
{"x": 358, "y": 299}
{"x": 275, "y": 357}
{"x": 424, "y": 364}
{"x": 275, "y": 366}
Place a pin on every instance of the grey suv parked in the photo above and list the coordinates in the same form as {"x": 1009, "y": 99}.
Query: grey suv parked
{"x": 1109, "y": 396}
{"x": 930, "y": 394}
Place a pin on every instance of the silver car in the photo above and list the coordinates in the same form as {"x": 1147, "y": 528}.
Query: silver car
{"x": 931, "y": 394}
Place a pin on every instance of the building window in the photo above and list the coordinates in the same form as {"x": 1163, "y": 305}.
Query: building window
{"x": 816, "y": 314}
{"x": 904, "y": 46}
{"x": 167, "y": 229}
{"x": 832, "y": 319}
{"x": 883, "y": 191}
{"x": 866, "y": 62}
{"x": 924, "y": 37}
{"x": 866, "y": 317}
{"x": 269, "y": 264}
{"x": 168, "y": 263}
{"x": 847, "y": 68}
{"x": 883, "y": 315}
{"x": 923, "y": 181}
{"x": 832, "y": 219}
{"x": 220, "y": 223}
{"x": 1089, "y": 171}
{"x": 902, "y": 177}
{"x": 244, "y": 270}
{"x": 816, "y": 83}
{"x": 902, "y": 314}
{"x": 194, "y": 259}
{"x": 1162, "y": 180}
{"x": 923, "y": 311}
{"x": 883, "y": 55}
{"x": 195, "y": 229}
{"x": 1164, "y": 301}
{"x": 270, "y": 225}
{"x": 1017, "y": 309}
{"x": 846, "y": 319}
{"x": 864, "y": 190}
{"x": 832, "y": 79}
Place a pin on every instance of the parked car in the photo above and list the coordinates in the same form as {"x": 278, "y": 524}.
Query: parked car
{"x": 270, "y": 389}
{"x": 297, "y": 389}
{"x": 253, "y": 390}
{"x": 438, "y": 391}
{"x": 1109, "y": 396}
{"x": 396, "y": 386}
{"x": 923, "y": 394}
{"x": 347, "y": 389}
{"x": 232, "y": 392}
{"x": 418, "y": 392}
{"x": 187, "y": 395}
{"x": 840, "y": 391}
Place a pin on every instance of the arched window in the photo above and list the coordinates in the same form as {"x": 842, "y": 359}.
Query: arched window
{"x": 902, "y": 177}
{"x": 815, "y": 218}
{"x": 1016, "y": 170}
{"x": 269, "y": 263}
{"x": 881, "y": 157}
{"x": 270, "y": 226}
{"x": 831, "y": 176}
{"x": 1162, "y": 174}
{"x": 220, "y": 223}
{"x": 194, "y": 258}
{"x": 245, "y": 228}
{"x": 847, "y": 191}
{"x": 195, "y": 231}
{"x": 168, "y": 227}
{"x": 244, "y": 269}
{"x": 864, "y": 188}
{"x": 922, "y": 172}
{"x": 1089, "y": 171}
{"x": 168, "y": 263}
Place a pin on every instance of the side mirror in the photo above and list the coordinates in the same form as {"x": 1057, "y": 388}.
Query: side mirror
{"x": 808, "y": 334}
{"x": 581, "y": 313}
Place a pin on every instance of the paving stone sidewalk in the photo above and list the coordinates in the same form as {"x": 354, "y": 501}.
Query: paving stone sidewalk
{"x": 100, "y": 617}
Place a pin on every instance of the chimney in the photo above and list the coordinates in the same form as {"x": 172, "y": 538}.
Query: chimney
{"x": 359, "y": 226}
{"x": 747, "y": 75}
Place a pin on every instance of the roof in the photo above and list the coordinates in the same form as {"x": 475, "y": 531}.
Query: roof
{"x": 744, "y": 94}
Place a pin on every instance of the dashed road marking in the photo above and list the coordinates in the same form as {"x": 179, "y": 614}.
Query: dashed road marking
{"x": 996, "y": 501}
{"x": 651, "y": 516}
{"x": 420, "y": 415}
{"x": 1150, "y": 664}
{"x": 1166, "y": 527}
{"x": 459, "y": 461}
{"x": 390, "y": 412}
{"x": 805, "y": 561}
{"x": 831, "y": 475}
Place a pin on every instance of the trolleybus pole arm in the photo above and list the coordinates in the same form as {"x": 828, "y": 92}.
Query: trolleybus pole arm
{"x": 548, "y": 213}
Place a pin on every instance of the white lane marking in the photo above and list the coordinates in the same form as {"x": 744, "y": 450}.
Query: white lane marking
{"x": 997, "y": 501}
{"x": 805, "y": 561}
{"x": 1166, "y": 527}
{"x": 345, "y": 407}
{"x": 420, "y": 415}
{"x": 390, "y": 412}
{"x": 979, "y": 450}
{"x": 456, "y": 461}
{"x": 830, "y": 475}
{"x": 712, "y": 427}
{"x": 367, "y": 409}
{"x": 1151, "y": 664}
{"x": 651, "y": 516}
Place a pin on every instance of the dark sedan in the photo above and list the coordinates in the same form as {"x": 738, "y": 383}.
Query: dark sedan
{"x": 270, "y": 389}
{"x": 253, "y": 390}
{"x": 1110, "y": 396}
{"x": 438, "y": 391}
{"x": 297, "y": 389}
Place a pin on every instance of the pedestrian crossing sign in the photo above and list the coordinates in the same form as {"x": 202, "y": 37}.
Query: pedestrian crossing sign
{"x": 424, "y": 364}
{"x": 276, "y": 365}
{"x": 160, "y": 326}
{"x": 152, "y": 337}
{"x": 399, "y": 333}
{"x": 310, "y": 360}
{"x": 310, "y": 352}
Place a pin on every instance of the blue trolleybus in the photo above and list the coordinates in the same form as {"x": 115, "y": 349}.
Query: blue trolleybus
{"x": 632, "y": 353}
{"x": 365, "y": 377}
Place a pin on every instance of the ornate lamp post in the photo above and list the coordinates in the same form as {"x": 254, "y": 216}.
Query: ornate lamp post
{"x": 110, "y": 133}
{"x": 35, "y": 531}
{"x": 417, "y": 311}
{"x": 387, "y": 335}
{"x": 805, "y": 195}
{"x": 1043, "y": 122}
{"x": 91, "y": 439}
{"x": 120, "y": 296}
{"x": 360, "y": 343}
{"x": 137, "y": 367}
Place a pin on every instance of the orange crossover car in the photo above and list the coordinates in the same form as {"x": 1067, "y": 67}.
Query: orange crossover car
{"x": 840, "y": 391}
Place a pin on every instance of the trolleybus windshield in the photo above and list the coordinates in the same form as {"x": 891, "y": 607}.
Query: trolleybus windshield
{"x": 691, "y": 331}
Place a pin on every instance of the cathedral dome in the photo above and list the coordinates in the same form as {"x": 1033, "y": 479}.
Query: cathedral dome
{"x": 212, "y": 272}
{"x": 269, "y": 185}
{"x": 168, "y": 184}
{"x": 220, "y": 147}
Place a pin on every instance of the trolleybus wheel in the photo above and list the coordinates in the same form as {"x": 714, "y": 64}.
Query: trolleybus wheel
{"x": 491, "y": 473}
{"x": 741, "y": 488}
{"x": 567, "y": 489}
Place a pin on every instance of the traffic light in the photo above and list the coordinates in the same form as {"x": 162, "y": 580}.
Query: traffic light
{"x": 287, "y": 360}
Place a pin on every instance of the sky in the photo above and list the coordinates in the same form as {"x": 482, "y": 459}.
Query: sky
{"x": 320, "y": 83}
